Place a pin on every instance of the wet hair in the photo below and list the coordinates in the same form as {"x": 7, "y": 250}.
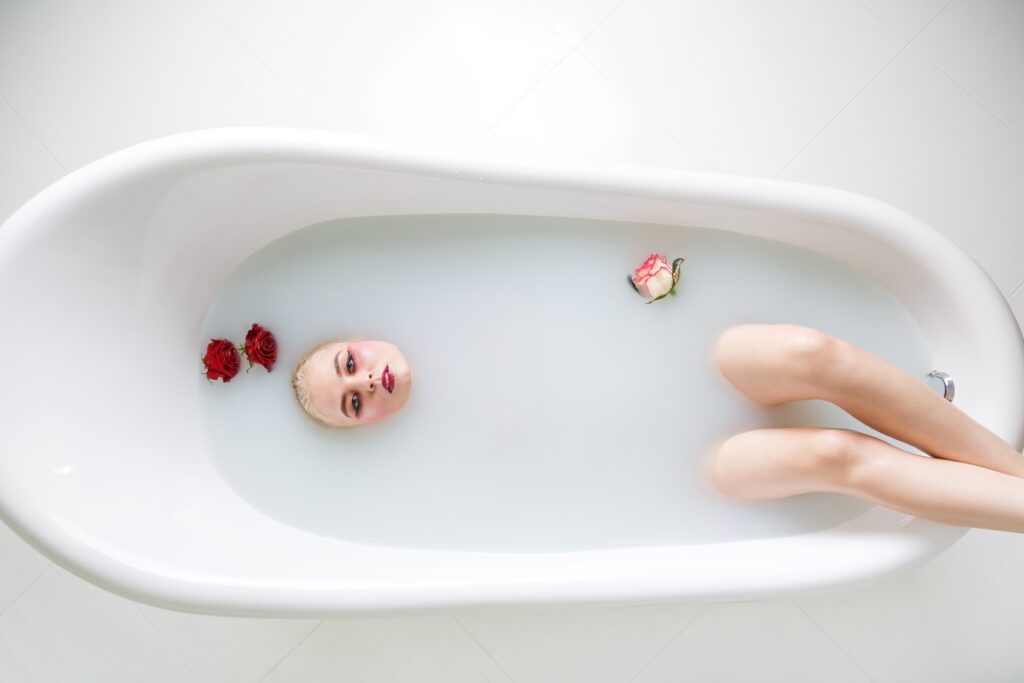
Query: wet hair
{"x": 302, "y": 391}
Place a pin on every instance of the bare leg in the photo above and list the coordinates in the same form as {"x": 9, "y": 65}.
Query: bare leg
{"x": 775, "y": 363}
{"x": 773, "y": 463}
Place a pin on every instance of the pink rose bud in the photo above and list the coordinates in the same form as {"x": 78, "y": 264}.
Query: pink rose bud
{"x": 654, "y": 277}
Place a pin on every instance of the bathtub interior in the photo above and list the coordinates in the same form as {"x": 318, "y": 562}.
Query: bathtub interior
{"x": 106, "y": 278}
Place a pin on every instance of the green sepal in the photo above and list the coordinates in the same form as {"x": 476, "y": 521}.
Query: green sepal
{"x": 660, "y": 297}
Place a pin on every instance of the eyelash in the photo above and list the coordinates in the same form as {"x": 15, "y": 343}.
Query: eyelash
{"x": 350, "y": 365}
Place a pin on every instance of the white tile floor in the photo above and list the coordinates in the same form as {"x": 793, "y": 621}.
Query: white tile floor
{"x": 918, "y": 102}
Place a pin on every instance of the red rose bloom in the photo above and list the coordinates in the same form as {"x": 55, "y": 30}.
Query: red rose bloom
{"x": 221, "y": 360}
{"x": 260, "y": 347}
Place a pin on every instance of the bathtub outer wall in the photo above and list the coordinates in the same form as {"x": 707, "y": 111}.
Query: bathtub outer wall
{"x": 122, "y": 258}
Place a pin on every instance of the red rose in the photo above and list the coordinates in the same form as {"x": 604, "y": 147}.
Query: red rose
{"x": 260, "y": 347}
{"x": 221, "y": 360}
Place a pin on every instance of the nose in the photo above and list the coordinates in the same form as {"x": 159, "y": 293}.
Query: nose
{"x": 364, "y": 383}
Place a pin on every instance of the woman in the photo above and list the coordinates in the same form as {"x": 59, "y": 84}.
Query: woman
{"x": 974, "y": 478}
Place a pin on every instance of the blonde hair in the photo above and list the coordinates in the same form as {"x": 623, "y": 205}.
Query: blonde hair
{"x": 302, "y": 391}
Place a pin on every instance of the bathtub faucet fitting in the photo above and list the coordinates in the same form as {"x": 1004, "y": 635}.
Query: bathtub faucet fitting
{"x": 947, "y": 383}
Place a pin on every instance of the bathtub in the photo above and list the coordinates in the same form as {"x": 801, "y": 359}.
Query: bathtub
{"x": 105, "y": 278}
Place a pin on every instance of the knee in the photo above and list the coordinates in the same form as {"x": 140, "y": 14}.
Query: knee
{"x": 807, "y": 348}
{"x": 774, "y": 463}
{"x": 774, "y": 363}
{"x": 841, "y": 459}
{"x": 813, "y": 357}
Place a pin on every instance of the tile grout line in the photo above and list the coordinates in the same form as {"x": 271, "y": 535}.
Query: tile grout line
{"x": 895, "y": 30}
{"x": 160, "y": 637}
{"x": 671, "y": 640}
{"x": 835, "y": 642}
{"x": 921, "y": 52}
{"x": 228, "y": 92}
{"x": 586, "y": 35}
{"x": 291, "y": 650}
{"x": 480, "y": 645}
{"x": 25, "y": 589}
{"x": 284, "y": 86}
{"x": 963, "y": 87}
{"x": 629, "y": 101}
{"x": 841, "y": 110}
{"x": 708, "y": 166}
{"x": 930, "y": 21}
{"x": 30, "y": 129}
{"x": 563, "y": 39}
{"x": 521, "y": 97}
{"x": 1015, "y": 290}
{"x": 260, "y": 62}
{"x": 39, "y": 32}
{"x": 908, "y": 42}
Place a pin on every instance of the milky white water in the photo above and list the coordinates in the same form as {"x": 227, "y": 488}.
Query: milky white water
{"x": 551, "y": 409}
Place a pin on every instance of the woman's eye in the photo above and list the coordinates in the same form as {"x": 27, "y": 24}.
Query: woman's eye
{"x": 355, "y": 404}
{"x": 350, "y": 364}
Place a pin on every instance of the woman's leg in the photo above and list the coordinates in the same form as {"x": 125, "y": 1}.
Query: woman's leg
{"x": 774, "y": 463}
{"x": 775, "y": 363}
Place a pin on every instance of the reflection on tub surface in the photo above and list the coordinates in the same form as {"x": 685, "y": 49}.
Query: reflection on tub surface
{"x": 551, "y": 409}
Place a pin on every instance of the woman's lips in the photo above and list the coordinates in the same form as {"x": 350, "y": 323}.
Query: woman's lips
{"x": 387, "y": 380}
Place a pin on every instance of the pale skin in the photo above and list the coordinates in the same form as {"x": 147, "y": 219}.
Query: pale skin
{"x": 354, "y": 383}
{"x": 973, "y": 478}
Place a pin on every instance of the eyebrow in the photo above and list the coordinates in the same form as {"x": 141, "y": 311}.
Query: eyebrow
{"x": 337, "y": 368}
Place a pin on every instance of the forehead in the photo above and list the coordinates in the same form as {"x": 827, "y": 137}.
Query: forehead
{"x": 372, "y": 347}
{"x": 325, "y": 352}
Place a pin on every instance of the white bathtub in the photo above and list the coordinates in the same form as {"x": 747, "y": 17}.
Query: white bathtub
{"x": 105, "y": 278}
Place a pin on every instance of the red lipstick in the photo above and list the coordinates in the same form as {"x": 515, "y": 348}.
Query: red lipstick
{"x": 387, "y": 380}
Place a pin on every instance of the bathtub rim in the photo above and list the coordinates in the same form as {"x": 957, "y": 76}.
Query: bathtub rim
{"x": 912, "y": 543}
{"x": 919, "y": 539}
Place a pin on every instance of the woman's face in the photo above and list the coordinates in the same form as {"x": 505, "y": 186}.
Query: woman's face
{"x": 354, "y": 383}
